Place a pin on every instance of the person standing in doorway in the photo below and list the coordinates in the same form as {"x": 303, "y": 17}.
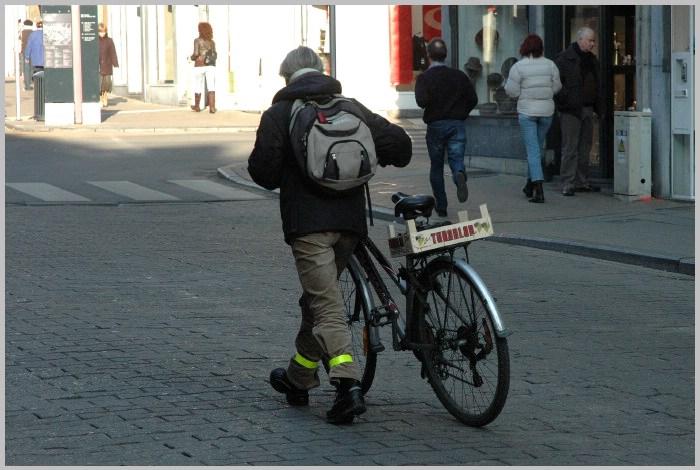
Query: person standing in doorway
{"x": 577, "y": 103}
{"x": 108, "y": 60}
{"x": 447, "y": 97}
{"x": 534, "y": 80}
{"x": 26, "y": 68}
{"x": 34, "y": 51}
{"x": 204, "y": 57}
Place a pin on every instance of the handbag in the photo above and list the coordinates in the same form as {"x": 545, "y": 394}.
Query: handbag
{"x": 210, "y": 57}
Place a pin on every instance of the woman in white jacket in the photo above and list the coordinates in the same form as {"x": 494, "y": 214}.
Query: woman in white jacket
{"x": 534, "y": 80}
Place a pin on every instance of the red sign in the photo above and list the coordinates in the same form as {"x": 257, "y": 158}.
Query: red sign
{"x": 432, "y": 17}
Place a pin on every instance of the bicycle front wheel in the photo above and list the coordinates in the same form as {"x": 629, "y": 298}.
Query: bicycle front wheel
{"x": 468, "y": 365}
{"x": 358, "y": 321}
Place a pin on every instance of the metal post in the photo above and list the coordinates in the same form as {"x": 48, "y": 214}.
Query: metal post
{"x": 77, "y": 64}
{"x": 17, "y": 71}
{"x": 331, "y": 38}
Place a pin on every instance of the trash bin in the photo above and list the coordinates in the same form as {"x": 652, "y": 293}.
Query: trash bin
{"x": 632, "y": 150}
{"x": 39, "y": 95}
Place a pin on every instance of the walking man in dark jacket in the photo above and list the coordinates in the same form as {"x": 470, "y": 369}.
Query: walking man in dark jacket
{"x": 577, "y": 102}
{"x": 447, "y": 96}
{"x": 322, "y": 231}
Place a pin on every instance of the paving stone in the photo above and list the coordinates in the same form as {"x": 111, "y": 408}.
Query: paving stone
{"x": 156, "y": 351}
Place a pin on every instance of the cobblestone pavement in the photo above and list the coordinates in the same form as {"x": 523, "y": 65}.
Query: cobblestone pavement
{"x": 143, "y": 334}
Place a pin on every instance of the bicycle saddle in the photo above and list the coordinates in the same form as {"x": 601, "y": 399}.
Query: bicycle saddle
{"x": 409, "y": 207}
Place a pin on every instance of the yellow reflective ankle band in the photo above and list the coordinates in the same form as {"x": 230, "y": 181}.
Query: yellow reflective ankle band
{"x": 337, "y": 360}
{"x": 302, "y": 361}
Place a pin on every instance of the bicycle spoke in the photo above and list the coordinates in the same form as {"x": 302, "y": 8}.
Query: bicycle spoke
{"x": 464, "y": 367}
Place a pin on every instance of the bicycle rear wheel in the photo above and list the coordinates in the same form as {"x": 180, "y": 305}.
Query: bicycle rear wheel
{"x": 468, "y": 365}
{"x": 358, "y": 322}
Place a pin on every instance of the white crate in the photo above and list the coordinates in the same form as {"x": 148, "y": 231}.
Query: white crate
{"x": 464, "y": 231}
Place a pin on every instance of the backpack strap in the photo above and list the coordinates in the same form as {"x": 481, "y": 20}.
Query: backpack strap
{"x": 369, "y": 205}
{"x": 297, "y": 105}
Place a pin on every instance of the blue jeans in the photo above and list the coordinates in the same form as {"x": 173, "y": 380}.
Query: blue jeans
{"x": 534, "y": 131}
{"x": 446, "y": 135}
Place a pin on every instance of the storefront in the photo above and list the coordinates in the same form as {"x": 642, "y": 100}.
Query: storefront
{"x": 644, "y": 53}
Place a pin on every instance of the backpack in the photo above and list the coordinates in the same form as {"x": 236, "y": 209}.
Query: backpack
{"x": 332, "y": 143}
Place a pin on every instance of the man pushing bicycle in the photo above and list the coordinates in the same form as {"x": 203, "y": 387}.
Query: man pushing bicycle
{"x": 322, "y": 220}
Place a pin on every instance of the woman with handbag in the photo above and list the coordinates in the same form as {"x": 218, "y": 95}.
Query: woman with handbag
{"x": 204, "y": 57}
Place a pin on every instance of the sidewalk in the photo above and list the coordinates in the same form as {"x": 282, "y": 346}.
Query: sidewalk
{"x": 132, "y": 115}
{"x": 658, "y": 233}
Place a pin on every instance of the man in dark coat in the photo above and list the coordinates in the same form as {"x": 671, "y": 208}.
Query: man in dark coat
{"x": 577, "y": 103}
{"x": 447, "y": 96}
{"x": 322, "y": 230}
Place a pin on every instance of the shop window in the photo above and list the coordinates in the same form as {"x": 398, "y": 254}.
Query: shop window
{"x": 489, "y": 41}
{"x": 623, "y": 58}
{"x": 412, "y": 27}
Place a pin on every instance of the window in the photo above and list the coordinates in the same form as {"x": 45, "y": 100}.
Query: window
{"x": 489, "y": 41}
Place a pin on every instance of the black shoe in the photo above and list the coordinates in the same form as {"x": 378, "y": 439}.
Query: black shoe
{"x": 538, "y": 192}
{"x": 348, "y": 403}
{"x": 462, "y": 190}
{"x": 567, "y": 192}
{"x": 527, "y": 189}
{"x": 441, "y": 213}
{"x": 281, "y": 383}
{"x": 588, "y": 188}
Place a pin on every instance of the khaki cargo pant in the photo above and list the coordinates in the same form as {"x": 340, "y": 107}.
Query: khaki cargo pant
{"x": 320, "y": 258}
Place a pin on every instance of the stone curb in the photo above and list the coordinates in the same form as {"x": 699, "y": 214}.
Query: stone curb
{"x": 659, "y": 262}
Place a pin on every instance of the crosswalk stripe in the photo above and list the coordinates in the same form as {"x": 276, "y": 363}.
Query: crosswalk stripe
{"x": 133, "y": 191}
{"x": 217, "y": 190}
{"x": 47, "y": 192}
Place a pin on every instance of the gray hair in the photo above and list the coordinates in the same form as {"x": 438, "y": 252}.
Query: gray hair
{"x": 300, "y": 58}
{"x": 582, "y": 31}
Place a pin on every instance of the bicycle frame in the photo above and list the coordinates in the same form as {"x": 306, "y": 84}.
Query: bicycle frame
{"x": 362, "y": 262}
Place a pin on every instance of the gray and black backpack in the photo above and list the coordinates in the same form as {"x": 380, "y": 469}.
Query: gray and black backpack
{"x": 332, "y": 143}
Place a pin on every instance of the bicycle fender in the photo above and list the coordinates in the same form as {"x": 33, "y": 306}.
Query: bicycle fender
{"x": 498, "y": 324}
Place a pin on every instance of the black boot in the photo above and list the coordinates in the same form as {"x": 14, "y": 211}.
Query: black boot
{"x": 348, "y": 402}
{"x": 538, "y": 192}
{"x": 197, "y": 97}
{"x": 280, "y": 382}
{"x": 527, "y": 189}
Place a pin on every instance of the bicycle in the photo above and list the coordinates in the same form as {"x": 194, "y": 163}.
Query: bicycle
{"x": 451, "y": 322}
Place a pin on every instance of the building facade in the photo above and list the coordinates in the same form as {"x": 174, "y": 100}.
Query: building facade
{"x": 377, "y": 51}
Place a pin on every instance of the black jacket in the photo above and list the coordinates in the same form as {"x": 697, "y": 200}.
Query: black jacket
{"x": 569, "y": 98}
{"x": 445, "y": 93}
{"x": 272, "y": 165}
